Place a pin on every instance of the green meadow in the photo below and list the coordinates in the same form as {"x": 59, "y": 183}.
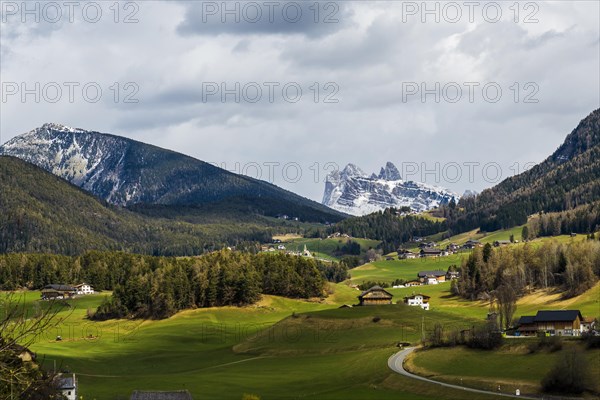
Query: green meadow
{"x": 278, "y": 349}
{"x": 283, "y": 348}
{"x": 511, "y": 367}
{"x": 326, "y": 248}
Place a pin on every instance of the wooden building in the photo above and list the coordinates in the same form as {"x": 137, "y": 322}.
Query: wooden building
{"x": 375, "y": 296}
{"x": 551, "y": 322}
{"x": 431, "y": 277}
{"x": 58, "y": 292}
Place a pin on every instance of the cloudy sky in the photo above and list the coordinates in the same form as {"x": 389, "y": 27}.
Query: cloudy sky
{"x": 458, "y": 95}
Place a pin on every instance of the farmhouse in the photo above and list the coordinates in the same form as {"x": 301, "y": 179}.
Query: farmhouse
{"x": 58, "y": 292}
{"x": 413, "y": 283}
{"x": 452, "y": 247}
{"x": 84, "y": 288}
{"x": 432, "y": 277}
{"x": 471, "y": 244}
{"x": 418, "y": 300}
{"x": 427, "y": 252}
{"x": 375, "y": 296}
{"x": 177, "y": 395}
{"x": 588, "y": 324}
{"x": 406, "y": 254}
{"x": 552, "y": 322}
{"x": 67, "y": 384}
{"x": 499, "y": 243}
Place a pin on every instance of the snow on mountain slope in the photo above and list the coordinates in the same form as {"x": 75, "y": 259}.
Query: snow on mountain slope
{"x": 353, "y": 192}
{"x": 126, "y": 172}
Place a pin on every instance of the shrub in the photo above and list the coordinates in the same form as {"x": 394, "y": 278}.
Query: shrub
{"x": 591, "y": 341}
{"x": 376, "y": 319}
{"x": 569, "y": 375}
{"x": 487, "y": 337}
{"x": 550, "y": 343}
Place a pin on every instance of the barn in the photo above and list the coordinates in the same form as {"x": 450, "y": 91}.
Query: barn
{"x": 375, "y": 296}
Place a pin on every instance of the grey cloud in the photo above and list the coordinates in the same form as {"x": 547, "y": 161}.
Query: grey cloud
{"x": 311, "y": 19}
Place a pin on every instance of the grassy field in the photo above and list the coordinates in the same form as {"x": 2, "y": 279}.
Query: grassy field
{"x": 511, "y": 367}
{"x": 384, "y": 270}
{"x": 443, "y": 300}
{"x": 326, "y": 248}
{"x": 279, "y": 349}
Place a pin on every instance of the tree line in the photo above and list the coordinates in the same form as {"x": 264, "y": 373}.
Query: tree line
{"x": 573, "y": 267}
{"x": 157, "y": 287}
{"x": 389, "y": 227}
{"x": 584, "y": 220}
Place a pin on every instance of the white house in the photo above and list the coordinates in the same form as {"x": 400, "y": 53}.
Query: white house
{"x": 432, "y": 280}
{"x": 420, "y": 300}
{"x": 588, "y": 324}
{"x": 84, "y": 288}
{"x": 281, "y": 247}
{"x": 67, "y": 384}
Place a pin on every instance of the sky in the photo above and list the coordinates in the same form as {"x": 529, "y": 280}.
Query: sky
{"x": 455, "y": 94}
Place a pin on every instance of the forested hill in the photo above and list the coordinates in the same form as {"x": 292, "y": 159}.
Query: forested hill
{"x": 126, "y": 172}
{"x": 43, "y": 213}
{"x": 569, "y": 178}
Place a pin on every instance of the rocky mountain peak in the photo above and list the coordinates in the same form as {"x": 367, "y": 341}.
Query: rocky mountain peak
{"x": 354, "y": 192}
{"x": 390, "y": 172}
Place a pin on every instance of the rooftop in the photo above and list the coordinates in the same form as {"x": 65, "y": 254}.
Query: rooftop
{"x": 148, "y": 395}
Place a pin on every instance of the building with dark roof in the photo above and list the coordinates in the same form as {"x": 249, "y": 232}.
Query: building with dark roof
{"x": 58, "y": 292}
{"x": 375, "y": 296}
{"x": 551, "y": 322}
{"x": 153, "y": 395}
{"x": 431, "y": 277}
{"x": 67, "y": 384}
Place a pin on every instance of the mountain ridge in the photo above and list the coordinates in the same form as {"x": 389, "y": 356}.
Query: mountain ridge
{"x": 566, "y": 179}
{"x": 353, "y": 192}
{"x": 127, "y": 172}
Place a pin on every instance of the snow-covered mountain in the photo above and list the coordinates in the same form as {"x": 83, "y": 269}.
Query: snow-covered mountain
{"x": 354, "y": 192}
{"x": 126, "y": 172}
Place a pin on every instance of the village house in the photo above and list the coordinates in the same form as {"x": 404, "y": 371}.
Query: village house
{"x": 452, "y": 247}
{"x": 428, "y": 252}
{"x": 84, "y": 288}
{"x": 588, "y": 324}
{"x": 471, "y": 244}
{"x": 431, "y": 277}
{"x": 452, "y": 275}
{"x": 67, "y": 384}
{"x": 281, "y": 247}
{"x": 551, "y": 322}
{"x": 148, "y": 395}
{"x": 50, "y": 292}
{"x": 500, "y": 243}
{"x": 413, "y": 283}
{"x": 375, "y": 296}
{"x": 418, "y": 300}
{"x": 406, "y": 254}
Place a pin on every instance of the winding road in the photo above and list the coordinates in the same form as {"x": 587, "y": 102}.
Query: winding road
{"x": 396, "y": 364}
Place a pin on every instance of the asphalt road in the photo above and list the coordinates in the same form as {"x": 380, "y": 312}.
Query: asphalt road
{"x": 396, "y": 364}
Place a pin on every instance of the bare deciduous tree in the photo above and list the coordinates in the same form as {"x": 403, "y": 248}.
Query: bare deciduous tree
{"x": 507, "y": 304}
{"x": 20, "y": 327}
